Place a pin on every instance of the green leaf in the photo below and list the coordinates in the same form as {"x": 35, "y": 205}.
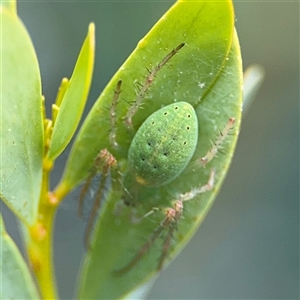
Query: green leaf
{"x": 16, "y": 280}
{"x": 21, "y": 120}
{"x": 74, "y": 98}
{"x": 117, "y": 239}
{"x": 10, "y": 5}
{"x": 207, "y": 73}
{"x": 199, "y": 62}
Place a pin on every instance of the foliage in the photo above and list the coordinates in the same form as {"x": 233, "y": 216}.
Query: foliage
{"x": 191, "y": 55}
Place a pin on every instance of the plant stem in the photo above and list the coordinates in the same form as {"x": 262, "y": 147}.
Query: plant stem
{"x": 40, "y": 244}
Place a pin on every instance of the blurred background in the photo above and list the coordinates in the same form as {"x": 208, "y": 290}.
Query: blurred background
{"x": 248, "y": 246}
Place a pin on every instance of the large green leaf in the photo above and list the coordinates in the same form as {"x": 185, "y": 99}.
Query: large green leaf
{"x": 10, "y": 5}
{"x": 21, "y": 119}
{"x": 206, "y": 72}
{"x": 16, "y": 279}
{"x": 117, "y": 239}
{"x": 75, "y": 97}
{"x": 187, "y": 77}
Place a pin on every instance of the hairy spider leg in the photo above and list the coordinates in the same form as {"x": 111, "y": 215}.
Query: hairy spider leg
{"x": 149, "y": 80}
{"x": 217, "y": 144}
{"x": 173, "y": 215}
{"x": 84, "y": 190}
{"x": 112, "y": 112}
{"x": 167, "y": 241}
{"x": 170, "y": 213}
{"x": 178, "y": 210}
{"x": 103, "y": 163}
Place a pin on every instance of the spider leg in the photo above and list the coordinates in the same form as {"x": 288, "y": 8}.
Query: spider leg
{"x": 149, "y": 80}
{"x": 173, "y": 215}
{"x": 103, "y": 164}
{"x": 95, "y": 209}
{"x": 205, "y": 188}
{"x": 166, "y": 245}
{"x": 112, "y": 112}
{"x": 170, "y": 214}
{"x": 83, "y": 192}
{"x": 152, "y": 211}
{"x": 217, "y": 144}
{"x": 178, "y": 210}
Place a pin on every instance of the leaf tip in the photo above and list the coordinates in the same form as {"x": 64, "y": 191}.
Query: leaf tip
{"x": 91, "y": 33}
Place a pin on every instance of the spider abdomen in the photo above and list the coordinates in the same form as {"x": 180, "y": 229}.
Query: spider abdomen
{"x": 164, "y": 144}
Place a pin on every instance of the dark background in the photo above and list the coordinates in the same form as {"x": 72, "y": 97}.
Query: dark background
{"x": 248, "y": 246}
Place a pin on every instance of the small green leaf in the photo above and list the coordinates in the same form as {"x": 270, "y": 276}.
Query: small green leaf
{"x": 16, "y": 280}
{"x": 74, "y": 98}
{"x": 206, "y": 73}
{"x": 21, "y": 120}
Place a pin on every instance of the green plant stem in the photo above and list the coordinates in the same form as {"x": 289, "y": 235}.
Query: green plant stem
{"x": 40, "y": 244}
{"x": 44, "y": 273}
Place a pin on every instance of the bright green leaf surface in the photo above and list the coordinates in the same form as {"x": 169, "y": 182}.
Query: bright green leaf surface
{"x": 207, "y": 73}
{"x": 16, "y": 280}
{"x": 74, "y": 98}
{"x": 10, "y": 5}
{"x": 21, "y": 120}
{"x": 206, "y": 28}
{"x": 117, "y": 239}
